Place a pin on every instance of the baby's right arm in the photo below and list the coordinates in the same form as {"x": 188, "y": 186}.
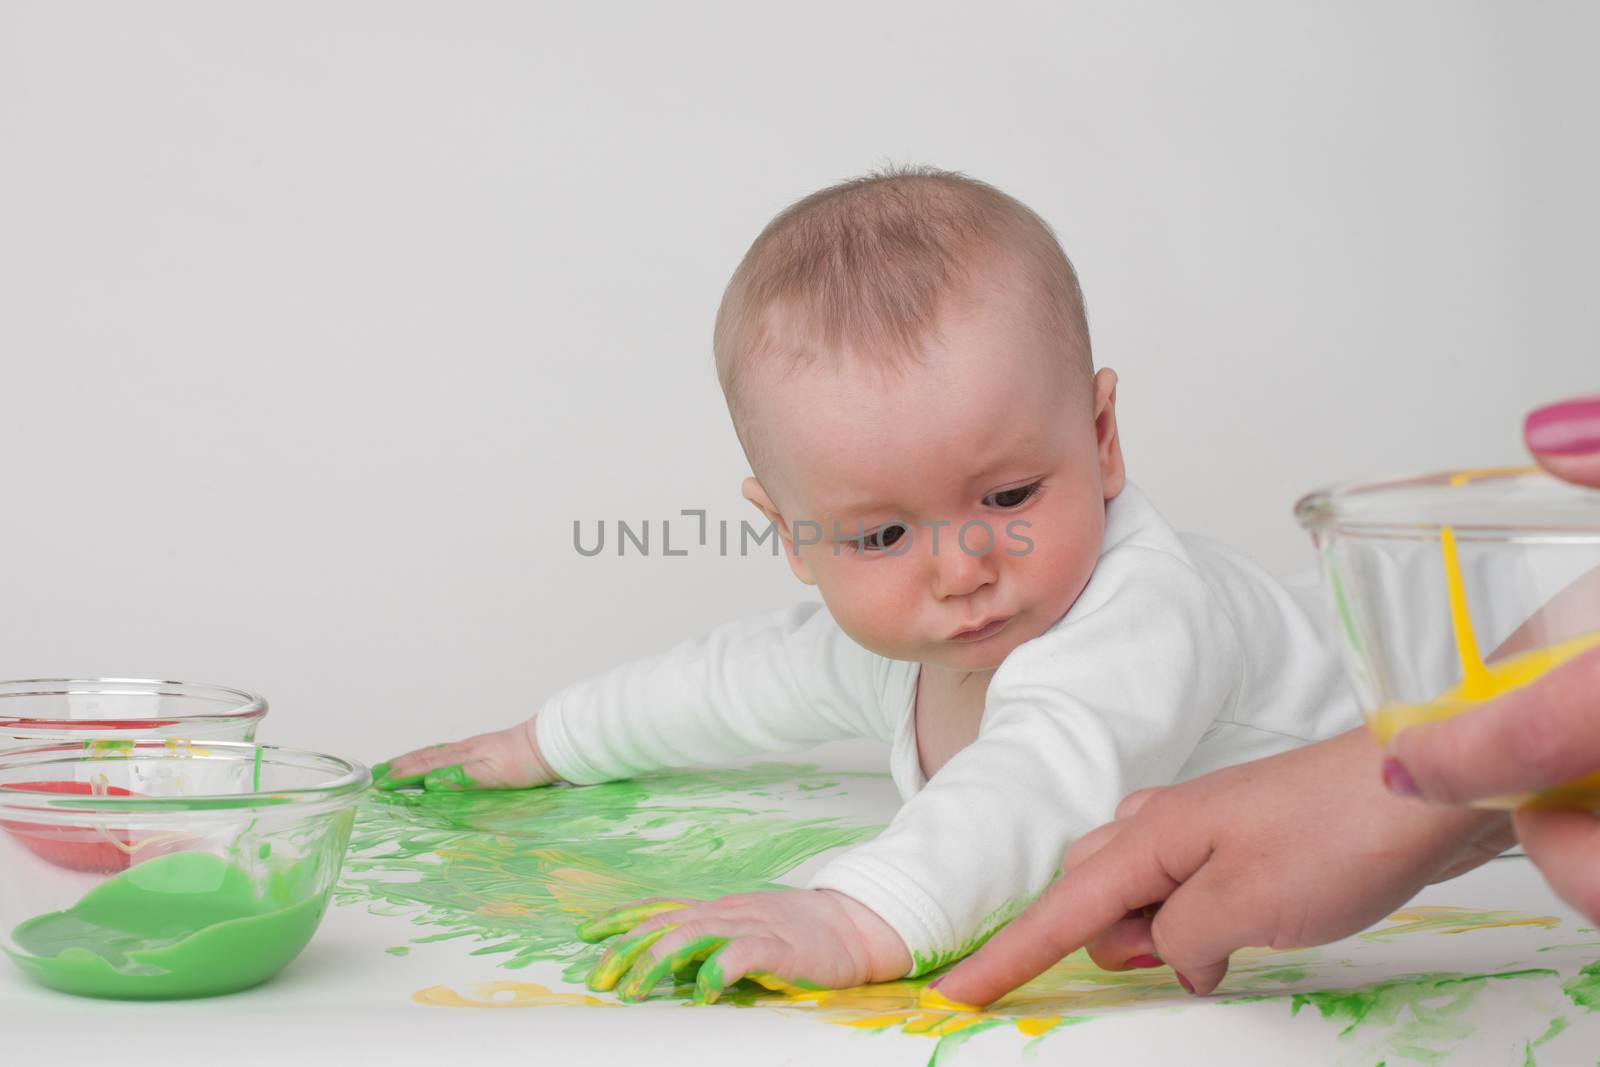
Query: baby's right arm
{"x": 781, "y": 681}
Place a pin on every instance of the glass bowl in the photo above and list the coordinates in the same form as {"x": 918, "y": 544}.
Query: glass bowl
{"x": 1452, "y": 588}
{"x": 166, "y": 868}
{"x": 40, "y": 710}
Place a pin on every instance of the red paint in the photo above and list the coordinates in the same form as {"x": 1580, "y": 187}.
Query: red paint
{"x": 77, "y": 848}
{"x": 89, "y": 724}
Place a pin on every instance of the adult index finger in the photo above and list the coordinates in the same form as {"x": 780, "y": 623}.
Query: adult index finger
{"x": 1077, "y": 907}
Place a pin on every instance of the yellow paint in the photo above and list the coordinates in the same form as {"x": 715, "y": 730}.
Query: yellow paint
{"x": 506, "y": 995}
{"x": 1482, "y": 681}
{"x": 1475, "y": 474}
{"x": 1072, "y": 989}
{"x": 932, "y": 998}
{"x": 1445, "y": 919}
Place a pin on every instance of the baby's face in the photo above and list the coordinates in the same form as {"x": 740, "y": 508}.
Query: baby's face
{"x": 990, "y": 434}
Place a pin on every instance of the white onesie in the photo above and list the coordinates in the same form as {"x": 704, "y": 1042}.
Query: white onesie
{"x": 1179, "y": 657}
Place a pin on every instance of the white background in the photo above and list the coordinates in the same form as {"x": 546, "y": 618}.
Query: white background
{"x": 320, "y": 323}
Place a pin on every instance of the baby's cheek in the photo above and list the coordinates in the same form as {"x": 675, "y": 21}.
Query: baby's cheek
{"x": 1059, "y": 564}
{"x": 872, "y": 610}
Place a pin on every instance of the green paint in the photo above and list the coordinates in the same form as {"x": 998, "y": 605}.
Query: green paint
{"x": 1557, "y": 1025}
{"x": 445, "y": 779}
{"x": 398, "y": 950}
{"x": 1583, "y": 988}
{"x": 646, "y": 978}
{"x": 189, "y": 924}
{"x": 621, "y": 920}
{"x": 944, "y": 1052}
{"x": 709, "y": 982}
{"x": 921, "y": 964}
{"x": 516, "y": 870}
{"x": 619, "y": 959}
{"x": 1428, "y": 1015}
{"x": 381, "y": 779}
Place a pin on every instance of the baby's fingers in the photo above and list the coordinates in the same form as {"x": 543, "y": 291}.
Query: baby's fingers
{"x": 411, "y": 768}
{"x": 620, "y": 958}
{"x": 649, "y": 972}
{"x": 756, "y": 958}
{"x": 623, "y": 919}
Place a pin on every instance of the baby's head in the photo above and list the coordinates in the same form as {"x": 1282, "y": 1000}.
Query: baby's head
{"x": 906, "y": 360}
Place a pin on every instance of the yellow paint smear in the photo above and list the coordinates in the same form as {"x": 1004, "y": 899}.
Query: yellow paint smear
{"x": 506, "y": 995}
{"x": 1445, "y": 919}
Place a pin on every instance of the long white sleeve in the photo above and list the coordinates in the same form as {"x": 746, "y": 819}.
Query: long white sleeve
{"x": 1113, "y": 698}
{"x": 782, "y": 681}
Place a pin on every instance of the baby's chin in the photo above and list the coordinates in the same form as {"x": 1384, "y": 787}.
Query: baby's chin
{"x": 983, "y": 655}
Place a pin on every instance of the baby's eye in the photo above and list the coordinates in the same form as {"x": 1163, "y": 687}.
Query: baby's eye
{"x": 883, "y": 537}
{"x": 1011, "y": 498}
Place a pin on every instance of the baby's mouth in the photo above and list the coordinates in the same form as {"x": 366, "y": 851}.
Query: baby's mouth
{"x": 983, "y": 630}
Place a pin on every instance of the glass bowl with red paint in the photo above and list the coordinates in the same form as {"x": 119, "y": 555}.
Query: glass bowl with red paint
{"x": 99, "y": 710}
{"x": 167, "y": 868}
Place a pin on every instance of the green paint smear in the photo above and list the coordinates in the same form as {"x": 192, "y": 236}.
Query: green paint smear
{"x": 1557, "y": 1025}
{"x": 923, "y": 963}
{"x": 1426, "y": 1011}
{"x": 188, "y": 924}
{"x": 944, "y": 1052}
{"x": 1583, "y": 989}
{"x": 518, "y": 870}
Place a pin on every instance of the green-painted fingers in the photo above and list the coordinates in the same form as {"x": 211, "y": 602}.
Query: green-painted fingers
{"x": 442, "y": 779}
{"x": 644, "y": 979}
{"x": 709, "y": 983}
{"x": 619, "y": 958}
{"x": 621, "y": 920}
{"x": 382, "y": 780}
{"x": 447, "y": 779}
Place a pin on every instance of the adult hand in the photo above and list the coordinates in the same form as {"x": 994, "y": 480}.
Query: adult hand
{"x": 1297, "y": 849}
{"x": 1539, "y": 736}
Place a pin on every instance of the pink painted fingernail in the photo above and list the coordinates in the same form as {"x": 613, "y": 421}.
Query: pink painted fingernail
{"x": 1188, "y": 986}
{"x": 1146, "y": 960}
{"x": 1570, "y": 428}
{"x": 935, "y": 983}
{"x": 1399, "y": 780}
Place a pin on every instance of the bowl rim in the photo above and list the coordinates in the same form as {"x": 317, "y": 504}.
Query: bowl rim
{"x": 353, "y": 779}
{"x": 252, "y": 706}
{"x": 1318, "y": 511}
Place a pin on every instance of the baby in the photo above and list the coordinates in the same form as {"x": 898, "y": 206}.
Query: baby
{"x": 906, "y": 361}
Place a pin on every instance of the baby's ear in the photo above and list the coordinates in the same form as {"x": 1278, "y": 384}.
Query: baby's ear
{"x": 1108, "y": 443}
{"x": 756, "y": 493}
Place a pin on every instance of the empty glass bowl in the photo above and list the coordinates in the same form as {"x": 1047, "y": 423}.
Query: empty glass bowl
{"x": 166, "y": 868}
{"x": 1453, "y": 588}
{"x": 41, "y": 710}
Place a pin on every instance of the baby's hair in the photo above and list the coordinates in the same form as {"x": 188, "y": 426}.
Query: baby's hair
{"x": 866, "y": 263}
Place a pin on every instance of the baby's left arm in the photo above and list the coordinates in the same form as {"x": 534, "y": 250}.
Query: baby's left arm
{"x": 1112, "y": 699}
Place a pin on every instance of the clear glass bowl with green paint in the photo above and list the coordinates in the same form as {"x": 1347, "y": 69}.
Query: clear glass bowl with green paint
{"x": 163, "y": 868}
{"x": 1452, "y": 588}
{"x": 40, "y": 710}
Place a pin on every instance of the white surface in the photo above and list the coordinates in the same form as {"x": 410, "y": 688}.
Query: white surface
{"x": 324, "y": 321}
{"x": 344, "y": 998}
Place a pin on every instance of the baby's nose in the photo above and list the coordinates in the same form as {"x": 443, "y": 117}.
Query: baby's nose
{"x": 960, "y": 570}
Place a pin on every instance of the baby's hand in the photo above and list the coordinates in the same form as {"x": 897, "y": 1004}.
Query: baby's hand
{"x": 504, "y": 759}
{"x": 786, "y": 940}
